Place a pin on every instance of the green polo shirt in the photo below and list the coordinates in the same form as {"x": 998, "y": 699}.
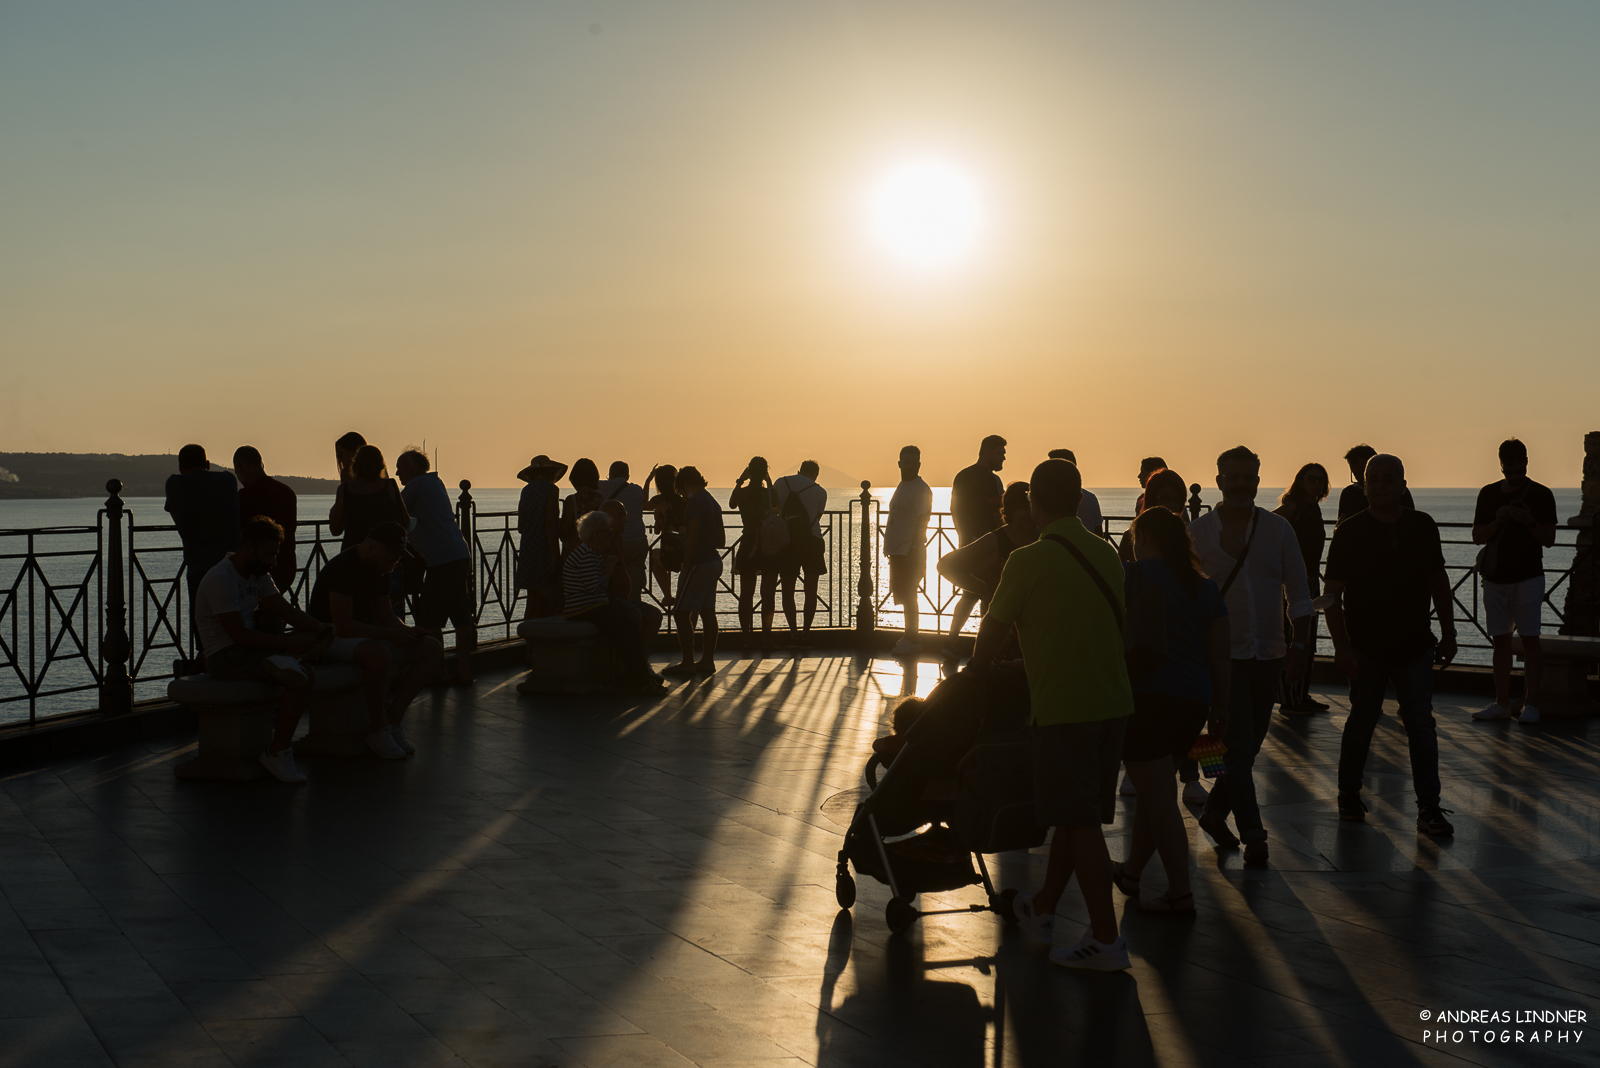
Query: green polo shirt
{"x": 1070, "y": 641}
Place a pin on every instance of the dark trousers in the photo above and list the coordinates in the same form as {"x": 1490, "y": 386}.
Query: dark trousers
{"x": 618, "y": 623}
{"x": 1296, "y": 693}
{"x": 1413, "y": 689}
{"x": 1253, "y": 689}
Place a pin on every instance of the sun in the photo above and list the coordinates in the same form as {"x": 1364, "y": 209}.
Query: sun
{"x": 926, "y": 213}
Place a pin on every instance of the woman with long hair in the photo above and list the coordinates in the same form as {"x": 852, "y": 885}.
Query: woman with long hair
{"x": 752, "y": 498}
{"x": 667, "y": 507}
{"x": 367, "y": 498}
{"x": 975, "y": 568}
{"x": 1172, "y": 702}
{"x": 1301, "y": 505}
{"x": 584, "y": 498}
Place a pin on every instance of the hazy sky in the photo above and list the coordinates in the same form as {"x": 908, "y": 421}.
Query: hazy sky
{"x": 636, "y": 230}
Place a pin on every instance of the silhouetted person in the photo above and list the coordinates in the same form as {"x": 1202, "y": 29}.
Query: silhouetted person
{"x": 1353, "y": 498}
{"x": 975, "y": 567}
{"x": 666, "y": 506}
{"x": 1384, "y": 566}
{"x": 204, "y": 505}
{"x": 1515, "y": 522}
{"x": 1253, "y": 557}
{"x": 1301, "y": 505}
{"x": 366, "y": 499}
{"x": 703, "y": 541}
{"x": 344, "y": 456}
{"x": 584, "y": 498}
{"x": 801, "y": 502}
{"x": 1089, "y": 507}
{"x": 1147, "y": 467}
{"x": 635, "y": 543}
{"x": 620, "y": 584}
{"x": 447, "y": 582}
{"x": 539, "y": 523}
{"x": 586, "y": 597}
{"x": 264, "y": 495}
{"x": 975, "y": 495}
{"x": 1064, "y": 595}
{"x": 233, "y": 597}
{"x": 752, "y": 498}
{"x": 905, "y": 543}
{"x": 396, "y": 661}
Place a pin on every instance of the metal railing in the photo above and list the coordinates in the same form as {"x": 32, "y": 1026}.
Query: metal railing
{"x": 104, "y": 608}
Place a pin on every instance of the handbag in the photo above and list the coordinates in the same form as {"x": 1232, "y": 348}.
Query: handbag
{"x": 1207, "y": 751}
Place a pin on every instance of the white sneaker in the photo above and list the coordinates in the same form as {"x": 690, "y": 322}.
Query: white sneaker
{"x": 1194, "y": 793}
{"x": 285, "y": 670}
{"x": 1039, "y": 929}
{"x": 398, "y": 733}
{"x": 282, "y": 765}
{"x": 1494, "y": 711}
{"x": 1529, "y": 714}
{"x": 1126, "y": 789}
{"x": 1093, "y": 955}
{"x": 384, "y": 746}
{"x": 906, "y": 647}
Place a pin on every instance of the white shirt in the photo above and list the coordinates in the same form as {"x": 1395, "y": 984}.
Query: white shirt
{"x": 1272, "y": 571}
{"x": 631, "y": 497}
{"x": 812, "y": 496}
{"x": 1089, "y": 514}
{"x": 909, "y": 509}
{"x": 225, "y": 590}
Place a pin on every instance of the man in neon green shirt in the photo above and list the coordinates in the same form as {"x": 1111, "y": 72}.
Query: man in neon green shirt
{"x": 1064, "y": 594}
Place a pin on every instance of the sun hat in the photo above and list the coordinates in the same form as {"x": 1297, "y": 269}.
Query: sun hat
{"x": 540, "y": 464}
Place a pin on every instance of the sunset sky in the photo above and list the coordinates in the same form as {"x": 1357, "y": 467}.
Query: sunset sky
{"x": 656, "y": 231}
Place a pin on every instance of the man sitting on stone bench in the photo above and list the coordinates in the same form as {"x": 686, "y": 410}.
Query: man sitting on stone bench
{"x": 352, "y": 593}
{"x": 225, "y": 606}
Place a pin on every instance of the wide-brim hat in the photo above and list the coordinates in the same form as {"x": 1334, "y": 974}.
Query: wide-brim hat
{"x": 542, "y": 464}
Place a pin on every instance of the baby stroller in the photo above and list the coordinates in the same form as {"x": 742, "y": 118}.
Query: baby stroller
{"x": 960, "y": 786}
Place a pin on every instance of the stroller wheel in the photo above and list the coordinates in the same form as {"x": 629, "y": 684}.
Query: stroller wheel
{"x": 900, "y": 915}
{"x": 1001, "y": 903}
{"x": 844, "y": 888}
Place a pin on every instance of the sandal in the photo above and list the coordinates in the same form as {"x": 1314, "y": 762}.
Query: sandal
{"x": 1127, "y": 884}
{"x": 1169, "y": 904}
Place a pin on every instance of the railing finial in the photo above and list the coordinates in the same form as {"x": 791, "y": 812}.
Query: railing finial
{"x": 1196, "y": 505}
{"x": 116, "y": 688}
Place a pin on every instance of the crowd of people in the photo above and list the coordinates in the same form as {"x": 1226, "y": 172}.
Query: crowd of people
{"x": 1236, "y": 590}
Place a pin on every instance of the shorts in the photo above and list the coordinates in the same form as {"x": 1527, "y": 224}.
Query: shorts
{"x": 1162, "y": 725}
{"x": 243, "y": 663}
{"x": 808, "y": 554}
{"x": 906, "y": 574}
{"x": 1075, "y": 772}
{"x": 697, "y": 589}
{"x": 1514, "y": 604}
{"x": 343, "y": 651}
{"x": 447, "y": 594}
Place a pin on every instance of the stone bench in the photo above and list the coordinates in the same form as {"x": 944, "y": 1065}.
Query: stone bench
{"x": 1564, "y": 684}
{"x": 567, "y": 657}
{"x": 237, "y": 718}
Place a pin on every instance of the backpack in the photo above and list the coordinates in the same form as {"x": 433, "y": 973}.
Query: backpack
{"x": 774, "y": 534}
{"x": 795, "y": 517}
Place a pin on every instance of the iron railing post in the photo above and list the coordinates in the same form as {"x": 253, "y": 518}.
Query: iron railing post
{"x": 1196, "y": 505}
{"x": 116, "y": 688}
{"x": 465, "y": 518}
{"x": 866, "y": 618}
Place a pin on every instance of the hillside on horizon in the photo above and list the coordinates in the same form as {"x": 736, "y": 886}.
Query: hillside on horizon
{"x": 33, "y": 475}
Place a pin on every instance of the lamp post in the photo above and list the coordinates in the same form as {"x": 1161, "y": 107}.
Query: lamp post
{"x": 866, "y": 618}
{"x": 116, "y": 688}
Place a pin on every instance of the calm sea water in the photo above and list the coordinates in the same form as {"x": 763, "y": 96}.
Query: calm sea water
{"x": 55, "y": 579}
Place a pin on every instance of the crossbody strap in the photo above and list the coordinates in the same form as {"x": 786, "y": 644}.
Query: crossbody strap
{"x": 1255, "y": 524}
{"x": 1099, "y": 579}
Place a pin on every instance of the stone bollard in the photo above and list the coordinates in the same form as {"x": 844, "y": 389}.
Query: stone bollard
{"x": 116, "y": 688}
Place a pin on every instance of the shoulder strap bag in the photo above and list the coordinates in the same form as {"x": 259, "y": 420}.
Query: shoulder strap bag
{"x": 1238, "y": 565}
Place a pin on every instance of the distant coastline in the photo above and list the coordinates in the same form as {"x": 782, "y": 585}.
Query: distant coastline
{"x": 59, "y": 475}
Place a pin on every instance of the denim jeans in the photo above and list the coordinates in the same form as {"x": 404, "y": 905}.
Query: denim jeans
{"x": 1253, "y": 691}
{"x": 1413, "y": 688}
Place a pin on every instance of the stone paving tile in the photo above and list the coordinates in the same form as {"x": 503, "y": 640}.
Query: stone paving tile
{"x": 596, "y": 881}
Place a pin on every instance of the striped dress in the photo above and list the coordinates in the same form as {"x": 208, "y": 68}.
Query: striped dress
{"x": 583, "y": 580}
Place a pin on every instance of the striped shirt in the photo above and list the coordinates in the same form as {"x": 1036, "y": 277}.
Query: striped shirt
{"x": 583, "y": 580}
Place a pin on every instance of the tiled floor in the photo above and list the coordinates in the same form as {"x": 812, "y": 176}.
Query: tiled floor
{"x": 605, "y": 882}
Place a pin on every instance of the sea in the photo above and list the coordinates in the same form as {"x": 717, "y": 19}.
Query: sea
{"x": 46, "y": 588}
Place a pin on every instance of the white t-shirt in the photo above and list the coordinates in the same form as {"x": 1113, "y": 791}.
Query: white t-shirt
{"x": 1089, "y": 514}
{"x": 812, "y": 497}
{"x": 909, "y": 510}
{"x": 631, "y": 497}
{"x": 224, "y": 589}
